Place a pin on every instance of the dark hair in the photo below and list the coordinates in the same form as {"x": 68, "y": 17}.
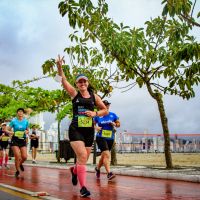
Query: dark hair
{"x": 90, "y": 88}
{"x": 20, "y": 109}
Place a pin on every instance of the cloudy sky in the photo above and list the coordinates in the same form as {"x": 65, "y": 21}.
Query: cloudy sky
{"x": 33, "y": 31}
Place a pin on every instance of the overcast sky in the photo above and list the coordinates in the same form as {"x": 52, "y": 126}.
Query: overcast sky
{"x": 33, "y": 31}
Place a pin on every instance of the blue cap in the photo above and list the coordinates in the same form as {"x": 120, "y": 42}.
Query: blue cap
{"x": 81, "y": 76}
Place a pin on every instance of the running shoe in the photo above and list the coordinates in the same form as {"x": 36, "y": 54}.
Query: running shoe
{"x": 84, "y": 192}
{"x": 110, "y": 176}
{"x": 97, "y": 172}
{"x": 74, "y": 176}
{"x": 17, "y": 174}
{"x": 21, "y": 167}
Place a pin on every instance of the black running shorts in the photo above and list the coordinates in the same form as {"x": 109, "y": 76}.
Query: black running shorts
{"x": 3, "y": 145}
{"x": 18, "y": 142}
{"x": 104, "y": 144}
{"x": 34, "y": 143}
{"x": 81, "y": 134}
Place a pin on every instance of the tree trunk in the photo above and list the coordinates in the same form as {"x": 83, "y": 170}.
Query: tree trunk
{"x": 113, "y": 154}
{"x": 164, "y": 122}
{"x": 168, "y": 158}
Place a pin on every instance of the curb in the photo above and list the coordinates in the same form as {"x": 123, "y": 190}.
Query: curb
{"x": 143, "y": 172}
{"x": 41, "y": 195}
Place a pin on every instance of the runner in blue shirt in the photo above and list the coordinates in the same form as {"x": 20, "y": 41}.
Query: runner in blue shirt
{"x": 105, "y": 138}
{"x": 18, "y": 143}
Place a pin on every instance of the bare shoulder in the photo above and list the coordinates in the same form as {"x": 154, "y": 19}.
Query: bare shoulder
{"x": 97, "y": 98}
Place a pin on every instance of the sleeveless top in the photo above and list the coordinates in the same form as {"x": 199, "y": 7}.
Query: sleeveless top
{"x": 6, "y": 136}
{"x": 80, "y": 105}
{"x": 34, "y": 133}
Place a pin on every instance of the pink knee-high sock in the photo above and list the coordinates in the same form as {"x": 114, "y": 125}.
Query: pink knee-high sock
{"x": 81, "y": 173}
{"x": 1, "y": 161}
{"x": 6, "y": 160}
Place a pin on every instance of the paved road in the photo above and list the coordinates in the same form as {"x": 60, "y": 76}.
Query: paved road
{"x": 57, "y": 182}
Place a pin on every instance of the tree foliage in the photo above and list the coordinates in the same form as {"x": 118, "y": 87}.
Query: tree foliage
{"x": 164, "y": 49}
{"x": 36, "y": 99}
{"x": 184, "y": 10}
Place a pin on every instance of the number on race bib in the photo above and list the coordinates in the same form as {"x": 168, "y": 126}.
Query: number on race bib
{"x": 84, "y": 121}
{"x": 19, "y": 134}
{"x": 107, "y": 133}
{"x": 5, "y": 138}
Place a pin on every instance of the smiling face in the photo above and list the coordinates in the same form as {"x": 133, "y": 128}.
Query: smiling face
{"x": 82, "y": 84}
{"x": 20, "y": 113}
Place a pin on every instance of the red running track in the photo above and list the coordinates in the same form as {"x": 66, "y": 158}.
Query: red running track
{"x": 57, "y": 182}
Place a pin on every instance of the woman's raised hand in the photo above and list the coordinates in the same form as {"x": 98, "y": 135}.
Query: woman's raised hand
{"x": 60, "y": 61}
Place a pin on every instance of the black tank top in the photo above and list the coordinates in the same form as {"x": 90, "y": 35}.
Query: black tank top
{"x": 3, "y": 132}
{"x": 80, "y": 105}
{"x": 34, "y": 133}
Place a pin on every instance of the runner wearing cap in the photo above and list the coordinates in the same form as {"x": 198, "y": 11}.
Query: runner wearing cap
{"x": 18, "y": 143}
{"x": 105, "y": 127}
{"x": 81, "y": 129}
{"x": 4, "y": 138}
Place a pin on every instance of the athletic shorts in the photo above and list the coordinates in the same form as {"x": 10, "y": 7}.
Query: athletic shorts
{"x": 34, "y": 143}
{"x": 4, "y": 145}
{"x": 104, "y": 144}
{"x": 18, "y": 142}
{"x": 81, "y": 134}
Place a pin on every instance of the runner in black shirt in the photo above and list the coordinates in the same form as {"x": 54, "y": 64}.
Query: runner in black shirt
{"x": 4, "y": 139}
{"x": 81, "y": 130}
{"x": 34, "y": 143}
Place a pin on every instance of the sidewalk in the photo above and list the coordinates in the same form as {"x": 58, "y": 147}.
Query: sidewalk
{"x": 191, "y": 174}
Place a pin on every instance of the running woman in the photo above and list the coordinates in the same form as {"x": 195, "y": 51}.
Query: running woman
{"x": 4, "y": 138}
{"x": 34, "y": 143}
{"x": 105, "y": 138}
{"x": 18, "y": 142}
{"x": 81, "y": 129}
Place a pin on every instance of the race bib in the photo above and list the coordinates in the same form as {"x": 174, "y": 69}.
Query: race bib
{"x": 84, "y": 121}
{"x": 107, "y": 133}
{"x": 19, "y": 134}
{"x": 5, "y": 138}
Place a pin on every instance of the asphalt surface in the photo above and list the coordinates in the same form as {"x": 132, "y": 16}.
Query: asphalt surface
{"x": 131, "y": 183}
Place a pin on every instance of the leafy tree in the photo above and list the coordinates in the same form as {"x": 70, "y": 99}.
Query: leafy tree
{"x": 163, "y": 57}
{"x": 35, "y": 100}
